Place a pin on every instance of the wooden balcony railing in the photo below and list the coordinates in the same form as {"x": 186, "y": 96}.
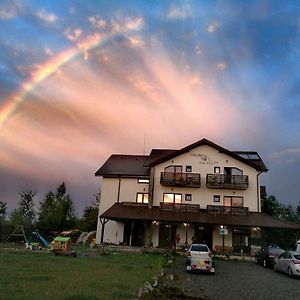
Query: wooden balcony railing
{"x": 222, "y": 181}
{"x": 227, "y": 210}
{"x": 180, "y": 179}
{"x": 180, "y": 207}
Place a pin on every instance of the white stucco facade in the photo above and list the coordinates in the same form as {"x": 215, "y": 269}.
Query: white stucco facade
{"x": 203, "y": 159}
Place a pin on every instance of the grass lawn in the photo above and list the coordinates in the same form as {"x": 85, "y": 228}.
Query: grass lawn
{"x": 34, "y": 275}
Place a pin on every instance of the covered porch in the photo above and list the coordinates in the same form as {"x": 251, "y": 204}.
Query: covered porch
{"x": 158, "y": 226}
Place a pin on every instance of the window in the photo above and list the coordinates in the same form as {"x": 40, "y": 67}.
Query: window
{"x": 217, "y": 198}
{"x": 233, "y": 201}
{"x": 142, "y": 197}
{"x": 143, "y": 180}
{"x": 200, "y": 248}
{"x": 188, "y": 169}
{"x": 172, "y": 198}
{"x": 188, "y": 197}
{"x": 173, "y": 169}
{"x": 232, "y": 171}
{"x": 217, "y": 170}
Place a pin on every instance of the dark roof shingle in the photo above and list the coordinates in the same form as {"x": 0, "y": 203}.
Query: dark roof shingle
{"x": 123, "y": 211}
{"x": 124, "y": 166}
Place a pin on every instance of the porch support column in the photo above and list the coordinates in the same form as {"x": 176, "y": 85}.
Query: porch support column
{"x": 103, "y": 221}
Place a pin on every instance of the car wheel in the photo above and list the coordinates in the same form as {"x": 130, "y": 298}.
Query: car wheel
{"x": 275, "y": 268}
{"x": 290, "y": 273}
{"x": 264, "y": 263}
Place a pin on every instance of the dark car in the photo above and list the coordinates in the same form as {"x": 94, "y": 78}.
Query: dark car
{"x": 266, "y": 255}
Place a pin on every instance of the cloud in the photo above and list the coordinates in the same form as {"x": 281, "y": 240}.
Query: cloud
{"x": 134, "y": 24}
{"x": 135, "y": 42}
{"x": 73, "y": 34}
{"x": 86, "y": 44}
{"x": 212, "y": 27}
{"x": 11, "y": 9}
{"x": 288, "y": 155}
{"x": 222, "y": 66}
{"x": 199, "y": 50}
{"x": 182, "y": 12}
{"x": 46, "y": 16}
{"x": 48, "y": 51}
{"x": 97, "y": 22}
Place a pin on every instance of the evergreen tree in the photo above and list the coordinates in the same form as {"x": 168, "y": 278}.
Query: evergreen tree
{"x": 24, "y": 214}
{"x": 3, "y": 207}
{"x": 89, "y": 219}
{"x": 57, "y": 211}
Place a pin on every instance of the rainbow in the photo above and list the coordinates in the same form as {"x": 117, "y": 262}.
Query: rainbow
{"x": 47, "y": 70}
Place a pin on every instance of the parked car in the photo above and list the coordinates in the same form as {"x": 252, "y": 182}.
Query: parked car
{"x": 199, "y": 257}
{"x": 266, "y": 255}
{"x": 288, "y": 262}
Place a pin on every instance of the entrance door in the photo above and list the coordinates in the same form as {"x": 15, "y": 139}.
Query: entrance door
{"x": 203, "y": 235}
{"x": 241, "y": 241}
{"x": 167, "y": 234}
{"x": 134, "y": 233}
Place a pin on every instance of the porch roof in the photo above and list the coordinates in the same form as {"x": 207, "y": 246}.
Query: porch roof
{"x": 133, "y": 211}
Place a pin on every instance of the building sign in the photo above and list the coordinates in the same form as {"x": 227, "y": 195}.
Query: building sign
{"x": 204, "y": 158}
{"x": 223, "y": 231}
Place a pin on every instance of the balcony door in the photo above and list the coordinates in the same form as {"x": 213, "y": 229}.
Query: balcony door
{"x": 173, "y": 169}
{"x": 167, "y": 235}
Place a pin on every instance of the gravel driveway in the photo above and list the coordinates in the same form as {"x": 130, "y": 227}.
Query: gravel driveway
{"x": 233, "y": 280}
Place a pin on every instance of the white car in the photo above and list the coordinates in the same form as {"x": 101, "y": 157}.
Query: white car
{"x": 198, "y": 257}
{"x": 288, "y": 262}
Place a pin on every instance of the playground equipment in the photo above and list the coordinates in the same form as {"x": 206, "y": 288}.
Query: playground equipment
{"x": 18, "y": 232}
{"x": 61, "y": 245}
{"x": 37, "y": 242}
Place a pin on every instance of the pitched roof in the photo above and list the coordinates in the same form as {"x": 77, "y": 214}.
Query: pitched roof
{"x": 139, "y": 165}
{"x": 156, "y": 154}
{"x": 254, "y": 158}
{"x": 133, "y": 211}
{"x": 124, "y": 166}
{"x": 257, "y": 164}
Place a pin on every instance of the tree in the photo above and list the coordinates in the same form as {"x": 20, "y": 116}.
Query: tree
{"x": 26, "y": 206}
{"x": 24, "y": 214}
{"x": 89, "y": 219}
{"x": 57, "y": 211}
{"x": 285, "y": 238}
{"x": 270, "y": 205}
{"x": 2, "y": 210}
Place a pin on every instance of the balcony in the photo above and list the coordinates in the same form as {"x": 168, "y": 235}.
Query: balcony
{"x": 227, "y": 210}
{"x": 180, "y": 179}
{"x": 222, "y": 181}
{"x": 180, "y": 207}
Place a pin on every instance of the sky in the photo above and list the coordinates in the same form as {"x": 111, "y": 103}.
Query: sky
{"x": 81, "y": 80}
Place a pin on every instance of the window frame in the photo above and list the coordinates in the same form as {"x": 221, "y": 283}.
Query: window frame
{"x": 174, "y": 166}
{"x": 188, "y": 196}
{"x": 174, "y": 196}
{"x": 217, "y": 168}
{"x": 231, "y": 198}
{"x": 215, "y": 197}
{"x": 143, "y": 180}
{"x": 143, "y": 198}
{"x": 188, "y": 169}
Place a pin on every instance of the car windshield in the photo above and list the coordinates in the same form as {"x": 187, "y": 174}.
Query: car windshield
{"x": 297, "y": 257}
{"x": 201, "y": 248}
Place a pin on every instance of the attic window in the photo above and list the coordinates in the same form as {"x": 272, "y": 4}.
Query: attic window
{"x": 143, "y": 180}
{"x": 188, "y": 168}
{"x": 249, "y": 155}
{"x": 217, "y": 170}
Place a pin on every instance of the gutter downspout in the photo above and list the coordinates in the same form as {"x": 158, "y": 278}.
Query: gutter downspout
{"x": 119, "y": 188}
{"x": 151, "y": 186}
{"x": 258, "y": 192}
